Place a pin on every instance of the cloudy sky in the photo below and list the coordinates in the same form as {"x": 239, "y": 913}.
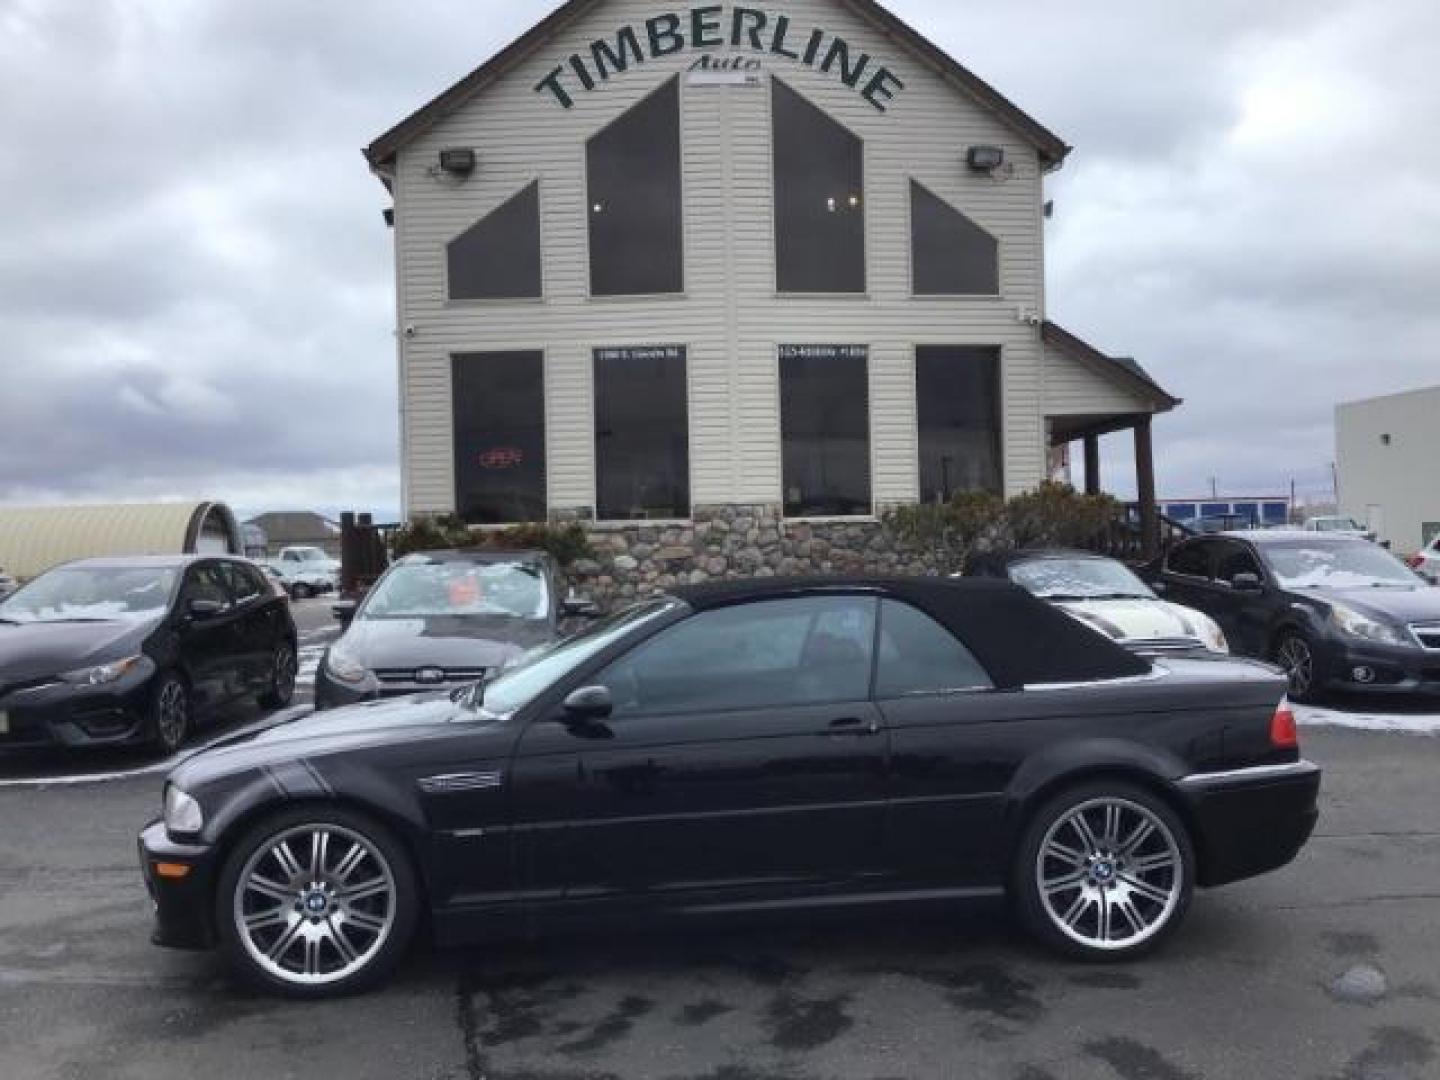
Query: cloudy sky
{"x": 196, "y": 285}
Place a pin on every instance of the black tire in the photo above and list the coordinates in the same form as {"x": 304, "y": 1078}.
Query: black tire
{"x": 284, "y": 667}
{"x": 344, "y": 825}
{"x": 301, "y": 591}
{"x": 1110, "y": 881}
{"x": 1294, "y": 653}
{"x": 172, "y": 713}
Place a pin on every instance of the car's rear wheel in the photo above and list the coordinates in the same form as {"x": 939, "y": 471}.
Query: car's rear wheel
{"x": 171, "y": 713}
{"x": 1294, "y": 654}
{"x": 301, "y": 591}
{"x": 1104, "y": 872}
{"x": 316, "y": 902}
{"x": 284, "y": 668}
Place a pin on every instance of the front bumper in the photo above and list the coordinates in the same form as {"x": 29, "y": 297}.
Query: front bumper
{"x": 61, "y": 714}
{"x": 1394, "y": 670}
{"x": 1251, "y": 821}
{"x": 184, "y": 904}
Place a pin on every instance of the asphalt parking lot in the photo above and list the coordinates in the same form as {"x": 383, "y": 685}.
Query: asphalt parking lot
{"x": 1329, "y": 969}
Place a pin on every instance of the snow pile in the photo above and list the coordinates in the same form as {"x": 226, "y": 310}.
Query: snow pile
{"x": 1413, "y": 723}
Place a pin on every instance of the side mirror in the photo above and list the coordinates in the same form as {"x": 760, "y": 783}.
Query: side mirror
{"x": 589, "y": 703}
{"x": 580, "y": 607}
{"x": 1247, "y": 583}
{"x": 205, "y": 609}
{"x": 344, "y": 611}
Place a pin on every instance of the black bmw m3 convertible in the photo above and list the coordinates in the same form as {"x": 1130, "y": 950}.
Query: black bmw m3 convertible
{"x": 736, "y": 749}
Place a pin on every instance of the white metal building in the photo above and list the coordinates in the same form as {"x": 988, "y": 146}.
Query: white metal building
{"x": 653, "y": 261}
{"x": 1388, "y": 457}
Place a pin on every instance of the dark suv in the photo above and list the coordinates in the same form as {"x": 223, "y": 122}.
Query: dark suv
{"x": 1336, "y": 612}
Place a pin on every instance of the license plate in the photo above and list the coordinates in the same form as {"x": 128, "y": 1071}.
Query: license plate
{"x": 4, "y": 722}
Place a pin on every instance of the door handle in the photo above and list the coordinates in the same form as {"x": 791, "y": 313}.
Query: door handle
{"x": 853, "y": 727}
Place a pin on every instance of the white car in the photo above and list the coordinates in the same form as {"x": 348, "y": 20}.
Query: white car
{"x": 1107, "y": 595}
{"x": 307, "y": 571}
{"x": 1338, "y": 525}
{"x": 1426, "y": 561}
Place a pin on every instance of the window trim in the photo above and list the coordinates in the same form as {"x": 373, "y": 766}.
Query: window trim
{"x": 866, "y": 238}
{"x": 547, "y": 405}
{"x": 644, "y": 523}
{"x": 1000, "y": 246}
{"x": 584, "y": 171}
{"x": 914, "y": 346}
{"x": 873, "y": 515}
{"x": 499, "y": 301}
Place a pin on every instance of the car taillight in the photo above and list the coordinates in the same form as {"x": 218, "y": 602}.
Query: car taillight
{"x": 1283, "y": 735}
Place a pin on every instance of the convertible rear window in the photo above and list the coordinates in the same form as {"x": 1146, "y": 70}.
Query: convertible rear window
{"x": 919, "y": 656}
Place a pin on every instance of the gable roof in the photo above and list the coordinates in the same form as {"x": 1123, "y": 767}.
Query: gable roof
{"x": 382, "y": 151}
{"x": 1124, "y": 372}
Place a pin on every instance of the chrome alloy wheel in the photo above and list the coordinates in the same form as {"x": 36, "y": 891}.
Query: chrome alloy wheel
{"x": 172, "y": 713}
{"x": 1109, "y": 874}
{"x": 1295, "y": 657}
{"x": 314, "y": 904}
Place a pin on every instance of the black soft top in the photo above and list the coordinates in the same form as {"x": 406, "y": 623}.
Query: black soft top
{"x": 1019, "y": 639}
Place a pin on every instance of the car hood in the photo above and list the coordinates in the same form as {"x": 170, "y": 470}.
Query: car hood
{"x": 408, "y": 720}
{"x": 448, "y": 641}
{"x": 1406, "y": 605}
{"x": 1138, "y": 620}
{"x": 37, "y": 650}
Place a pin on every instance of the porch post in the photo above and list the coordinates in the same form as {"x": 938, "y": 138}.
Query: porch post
{"x": 1145, "y": 483}
{"x": 1092, "y": 464}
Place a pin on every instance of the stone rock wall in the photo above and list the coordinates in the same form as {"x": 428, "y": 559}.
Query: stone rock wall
{"x": 734, "y": 541}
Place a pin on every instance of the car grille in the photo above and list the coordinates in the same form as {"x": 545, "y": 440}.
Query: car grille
{"x": 448, "y": 676}
{"x": 1427, "y": 634}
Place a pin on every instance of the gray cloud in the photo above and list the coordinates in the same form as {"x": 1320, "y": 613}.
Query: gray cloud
{"x": 196, "y": 288}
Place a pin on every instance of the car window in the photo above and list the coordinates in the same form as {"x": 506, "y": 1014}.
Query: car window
{"x": 245, "y": 583}
{"x": 770, "y": 654}
{"x": 1191, "y": 559}
{"x": 1236, "y": 559}
{"x": 919, "y": 656}
{"x": 208, "y": 582}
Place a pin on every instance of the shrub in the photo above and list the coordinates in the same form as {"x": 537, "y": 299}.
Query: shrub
{"x": 565, "y": 543}
{"x": 951, "y": 530}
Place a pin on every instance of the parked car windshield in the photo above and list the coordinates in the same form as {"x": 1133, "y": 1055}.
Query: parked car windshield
{"x": 544, "y": 666}
{"x": 1337, "y": 524}
{"x": 1336, "y": 566}
{"x": 513, "y": 589}
{"x": 88, "y": 594}
{"x": 1078, "y": 579}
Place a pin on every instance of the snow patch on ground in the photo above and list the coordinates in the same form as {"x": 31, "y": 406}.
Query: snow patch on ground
{"x": 1412, "y": 723}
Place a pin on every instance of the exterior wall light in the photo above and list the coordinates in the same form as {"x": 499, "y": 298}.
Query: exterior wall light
{"x": 985, "y": 158}
{"x": 457, "y": 161}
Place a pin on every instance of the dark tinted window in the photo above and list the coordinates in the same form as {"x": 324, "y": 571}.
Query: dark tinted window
{"x": 958, "y": 407}
{"x": 919, "y": 656}
{"x": 208, "y": 582}
{"x": 761, "y": 655}
{"x": 499, "y": 402}
{"x": 819, "y": 199}
{"x": 1236, "y": 559}
{"x": 633, "y": 171}
{"x": 245, "y": 582}
{"x": 950, "y": 254}
{"x": 1192, "y": 559}
{"x": 642, "y": 452}
{"x": 825, "y": 427}
{"x": 498, "y": 258}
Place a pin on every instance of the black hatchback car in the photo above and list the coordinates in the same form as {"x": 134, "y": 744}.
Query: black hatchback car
{"x": 127, "y": 651}
{"x": 734, "y": 749}
{"x": 1336, "y": 612}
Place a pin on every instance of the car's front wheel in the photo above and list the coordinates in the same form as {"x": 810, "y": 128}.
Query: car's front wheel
{"x": 301, "y": 591}
{"x": 1104, "y": 871}
{"x": 171, "y": 716}
{"x": 284, "y": 668}
{"x": 317, "y": 901}
{"x": 1294, "y": 653}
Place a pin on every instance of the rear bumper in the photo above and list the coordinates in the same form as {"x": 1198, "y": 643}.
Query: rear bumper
{"x": 184, "y": 906}
{"x": 1250, "y": 821}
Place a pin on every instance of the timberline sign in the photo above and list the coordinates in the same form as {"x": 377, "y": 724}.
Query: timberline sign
{"x": 717, "y": 27}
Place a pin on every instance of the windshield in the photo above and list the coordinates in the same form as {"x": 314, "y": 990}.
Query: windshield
{"x": 1078, "y": 579}
{"x": 542, "y": 667}
{"x": 510, "y": 589}
{"x": 1337, "y": 524}
{"x": 1359, "y": 565}
{"x": 93, "y": 594}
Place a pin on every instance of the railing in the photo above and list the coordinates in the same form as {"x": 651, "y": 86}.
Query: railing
{"x": 1124, "y": 537}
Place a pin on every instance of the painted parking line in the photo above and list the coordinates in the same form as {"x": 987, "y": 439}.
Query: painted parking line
{"x": 156, "y": 767}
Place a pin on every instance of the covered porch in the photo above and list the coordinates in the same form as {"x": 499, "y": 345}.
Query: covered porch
{"x": 1089, "y": 394}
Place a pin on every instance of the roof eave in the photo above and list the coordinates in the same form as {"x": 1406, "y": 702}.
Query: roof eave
{"x": 1108, "y": 367}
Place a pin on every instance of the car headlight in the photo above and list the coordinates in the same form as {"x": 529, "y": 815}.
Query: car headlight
{"x": 103, "y": 674}
{"x": 345, "y": 667}
{"x": 182, "y": 813}
{"x": 1356, "y": 624}
{"x": 1212, "y": 635}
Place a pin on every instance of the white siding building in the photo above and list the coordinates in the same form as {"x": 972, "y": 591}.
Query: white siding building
{"x": 653, "y": 262}
{"x": 1388, "y": 454}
